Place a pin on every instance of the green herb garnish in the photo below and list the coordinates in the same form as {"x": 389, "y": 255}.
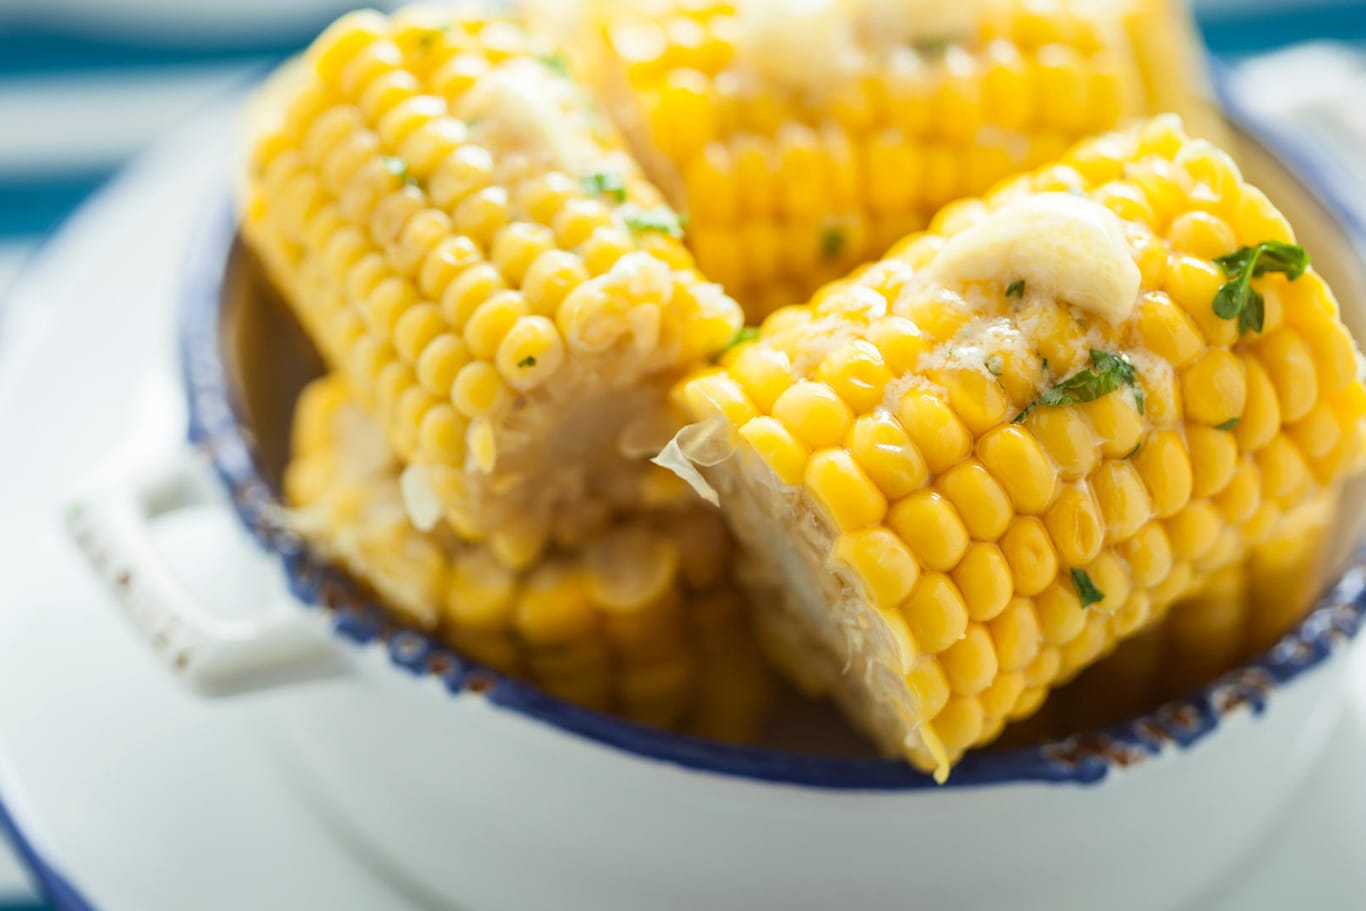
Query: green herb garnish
{"x": 1133, "y": 452}
{"x": 1237, "y": 298}
{"x": 1107, "y": 373}
{"x": 431, "y": 36}
{"x": 832, "y": 241}
{"x": 528, "y": 361}
{"x": 1086, "y": 589}
{"x": 742, "y": 336}
{"x": 605, "y": 183}
{"x": 556, "y": 63}
{"x": 399, "y": 168}
{"x": 1015, "y": 288}
{"x": 1228, "y": 425}
{"x": 661, "y": 219}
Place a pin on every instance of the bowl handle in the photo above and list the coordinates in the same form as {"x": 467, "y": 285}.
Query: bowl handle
{"x": 214, "y": 655}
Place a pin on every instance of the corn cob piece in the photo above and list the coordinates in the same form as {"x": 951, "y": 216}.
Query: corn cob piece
{"x": 1237, "y": 612}
{"x": 804, "y": 140}
{"x": 640, "y": 620}
{"x": 974, "y": 465}
{"x": 464, "y": 237}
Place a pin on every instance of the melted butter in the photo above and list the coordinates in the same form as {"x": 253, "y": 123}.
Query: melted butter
{"x": 1062, "y": 246}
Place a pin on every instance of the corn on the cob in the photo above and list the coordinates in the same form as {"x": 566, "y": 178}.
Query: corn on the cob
{"x": 640, "y": 620}
{"x": 975, "y": 464}
{"x": 1237, "y": 612}
{"x": 804, "y": 140}
{"x": 464, "y": 237}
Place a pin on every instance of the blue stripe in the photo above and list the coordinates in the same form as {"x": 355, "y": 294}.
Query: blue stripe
{"x": 36, "y": 205}
{"x": 55, "y": 887}
{"x": 1236, "y": 34}
{"x": 43, "y": 51}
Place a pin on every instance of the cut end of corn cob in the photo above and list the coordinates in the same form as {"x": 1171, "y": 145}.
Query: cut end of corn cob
{"x": 466, "y": 240}
{"x": 804, "y": 139}
{"x": 638, "y": 619}
{"x": 969, "y": 485}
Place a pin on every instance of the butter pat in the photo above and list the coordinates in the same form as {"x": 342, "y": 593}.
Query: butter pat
{"x": 515, "y": 112}
{"x": 1062, "y": 246}
{"x": 802, "y": 44}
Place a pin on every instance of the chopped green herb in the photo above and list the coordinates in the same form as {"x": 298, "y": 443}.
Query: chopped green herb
{"x": 994, "y": 365}
{"x": 528, "y": 361}
{"x": 1133, "y": 452}
{"x": 1228, "y": 425}
{"x": 431, "y": 36}
{"x": 1086, "y": 589}
{"x": 832, "y": 241}
{"x": 1237, "y": 298}
{"x": 605, "y": 183}
{"x": 742, "y": 336}
{"x": 661, "y": 219}
{"x": 1044, "y": 365}
{"x": 474, "y": 122}
{"x": 1107, "y": 373}
{"x": 399, "y": 168}
{"x": 1015, "y": 288}
{"x": 556, "y": 63}
{"x": 933, "y": 47}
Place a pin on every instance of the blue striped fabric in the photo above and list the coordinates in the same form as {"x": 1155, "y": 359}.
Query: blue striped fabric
{"x": 42, "y": 60}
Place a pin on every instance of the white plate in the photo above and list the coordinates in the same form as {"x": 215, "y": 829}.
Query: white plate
{"x": 145, "y": 797}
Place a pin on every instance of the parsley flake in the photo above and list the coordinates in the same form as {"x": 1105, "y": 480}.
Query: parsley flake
{"x": 832, "y": 241}
{"x": 605, "y": 183}
{"x": 1015, "y": 288}
{"x": 555, "y": 63}
{"x": 399, "y": 168}
{"x": 1086, "y": 589}
{"x": 661, "y": 219}
{"x": 431, "y": 36}
{"x": 743, "y": 335}
{"x": 528, "y": 361}
{"x": 1228, "y": 425}
{"x": 1133, "y": 452}
{"x": 1107, "y": 373}
{"x": 1237, "y": 298}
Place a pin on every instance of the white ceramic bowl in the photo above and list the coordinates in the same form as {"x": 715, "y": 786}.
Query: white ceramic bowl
{"x": 478, "y": 791}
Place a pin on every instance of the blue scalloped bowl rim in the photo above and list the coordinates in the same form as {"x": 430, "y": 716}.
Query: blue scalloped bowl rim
{"x": 217, "y": 427}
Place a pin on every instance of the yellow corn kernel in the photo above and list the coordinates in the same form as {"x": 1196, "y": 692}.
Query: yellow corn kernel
{"x": 1111, "y": 577}
{"x": 979, "y": 499}
{"x": 1214, "y": 387}
{"x": 983, "y": 576}
{"x": 461, "y": 174}
{"x": 467, "y": 292}
{"x": 1202, "y": 234}
{"x": 1018, "y": 462}
{"x": 1066, "y": 436}
{"x": 716, "y": 393}
{"x": 1076, "y": 525}
{"x": 1285, "y": 476}
{"x": 935, "y": 613}
{"x": 1149, "y": 555}
{"x": 1061, "y": 616}
{"x": 491, "y": 321}
{"x": 1214, "y": 458}
{"x": 959, "y": 723}
{"x": 1166, "y": 470}
{"x": 1119, "y": 490}
{"x": 931, "y": 527}
{"x": 517, "y": 246}
{"x": 1193, "y": 283}
{"x": 1290, "y": 366}
{"x": 881, "y": 565}
{"x": 977, "y": 399}
{"x": 764, "y": 372}
{"x": 1015, "y": 634}
{"x": 1117, "y": 423}
{"x": 530, "y": 352}
{"x": 857, "y": 373}
{"x": 1192, "y": 531}
{"x": 900, "y": 341}
{"x": 1029, "y": 550}
{"x": 814, "y": 413}
{"x": 929, "y": 686}
{"x": 441, "y": 436}
{"x": 478, "y": 391}
{"x": 1318, "y": 432}
{"x": 783, "y": 453}
{"x": 448, "y": 259}
{"x": 439, "y": 362}
{"x": 848, "y": 495}
{"x": 934, "y": 429}
{"x": 882, "y": 449}
{"x": 1167, "y": 330}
